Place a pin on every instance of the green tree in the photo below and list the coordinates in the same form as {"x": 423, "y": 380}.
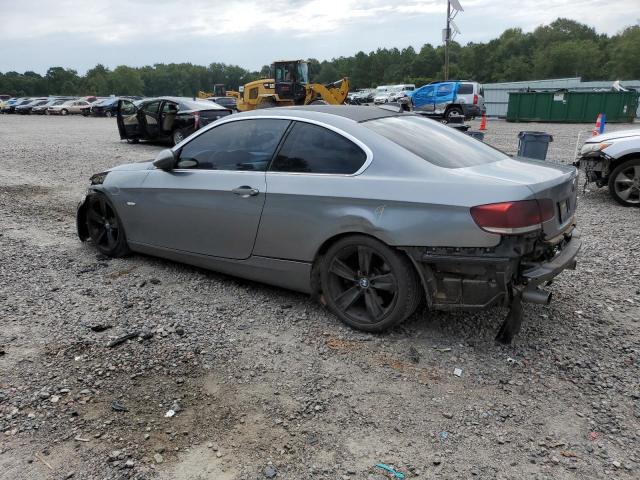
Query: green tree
{"x": 625, "y": 54}
{"x": 126, "y": 81}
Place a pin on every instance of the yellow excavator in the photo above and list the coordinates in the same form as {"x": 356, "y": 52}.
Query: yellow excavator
{"x": 289, "y": 87}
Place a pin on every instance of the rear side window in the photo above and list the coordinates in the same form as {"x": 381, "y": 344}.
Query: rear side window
{"x": 311, "y": 148}
{"x": 465, "y": 89}
{"x": 127, "y": 108}
{"x": 436, "y": 143}
{"x": 239, "y": 145}
{"x": 151, "y": 107}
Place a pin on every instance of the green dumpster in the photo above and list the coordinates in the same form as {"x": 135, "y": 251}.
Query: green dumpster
{"x": 572, "y": 106}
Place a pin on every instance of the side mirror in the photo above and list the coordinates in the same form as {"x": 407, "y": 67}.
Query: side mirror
{"x": 165, "y": 160}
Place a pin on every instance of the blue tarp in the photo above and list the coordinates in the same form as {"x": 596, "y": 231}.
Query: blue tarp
{"x": 434, "y": 94}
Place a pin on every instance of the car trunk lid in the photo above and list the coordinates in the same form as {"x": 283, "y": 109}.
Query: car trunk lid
{"x": 545, "y": 180}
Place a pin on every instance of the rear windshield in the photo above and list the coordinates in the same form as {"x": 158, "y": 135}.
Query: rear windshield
{"x": 198, "y": 105}
{"x": 434, "y": 142}
{"x": 465, "y": 89}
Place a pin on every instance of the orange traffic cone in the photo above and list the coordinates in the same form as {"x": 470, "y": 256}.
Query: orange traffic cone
{"x": 483, "y": 122}
{"x": 596, "y": 131}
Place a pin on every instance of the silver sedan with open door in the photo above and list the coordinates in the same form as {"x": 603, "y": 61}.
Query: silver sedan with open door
{"x": 370, "y": 210}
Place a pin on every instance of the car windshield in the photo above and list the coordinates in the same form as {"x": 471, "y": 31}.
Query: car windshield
{"x": 438, "y": 144}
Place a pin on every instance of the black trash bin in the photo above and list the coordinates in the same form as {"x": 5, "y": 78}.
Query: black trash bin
{"x": 475, "y": 134}
{"x": 534, "y": 144}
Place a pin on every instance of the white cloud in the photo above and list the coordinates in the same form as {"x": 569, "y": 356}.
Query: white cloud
{"x": 81, "y": 33}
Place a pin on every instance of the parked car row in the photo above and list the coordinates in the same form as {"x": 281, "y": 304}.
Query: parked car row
{"x": 60, "y": 105}
{"x": 441, "y": 99}
{"x": 170, "y": 119}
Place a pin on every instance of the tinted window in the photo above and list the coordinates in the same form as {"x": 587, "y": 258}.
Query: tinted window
{"x": 168, "y": 107}
{"x": 465, "y": 88}
{"x": 151, "y": 107}
{"x": 441, "y": 145}
{"x": 239, "y": 145}
{"x": 127, "y": 108}
{"x": 314, "y": 149}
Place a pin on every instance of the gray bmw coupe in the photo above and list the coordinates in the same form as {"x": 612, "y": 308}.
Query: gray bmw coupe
{"x": 371, "y": 211}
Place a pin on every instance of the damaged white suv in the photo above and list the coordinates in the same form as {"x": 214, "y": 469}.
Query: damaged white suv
{"x": 613, "y": 159}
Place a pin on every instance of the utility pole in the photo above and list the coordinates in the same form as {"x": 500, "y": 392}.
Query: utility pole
{"x": 447, "y": 39}
{"x": 453, "y": 8}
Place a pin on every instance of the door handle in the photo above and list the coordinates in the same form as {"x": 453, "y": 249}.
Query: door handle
{"x": 246, "y": 191}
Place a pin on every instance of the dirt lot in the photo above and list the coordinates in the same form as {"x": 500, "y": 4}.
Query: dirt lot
{"x": 264, "y": 382}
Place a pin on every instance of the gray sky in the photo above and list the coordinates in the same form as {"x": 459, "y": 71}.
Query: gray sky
{"x": 81, "y": 33}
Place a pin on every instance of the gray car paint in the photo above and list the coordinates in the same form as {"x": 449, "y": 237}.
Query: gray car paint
{"x": 399, "y": 198}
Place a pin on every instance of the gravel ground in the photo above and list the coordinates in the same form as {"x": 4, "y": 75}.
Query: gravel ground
{"x": 263, "y": 382}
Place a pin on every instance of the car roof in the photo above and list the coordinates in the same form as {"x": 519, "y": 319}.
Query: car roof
{"x": 188, "y": 102}
{"x": 357, "y": 113}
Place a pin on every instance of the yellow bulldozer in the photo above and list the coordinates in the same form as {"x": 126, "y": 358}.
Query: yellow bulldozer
{"x": 289, "y": 87}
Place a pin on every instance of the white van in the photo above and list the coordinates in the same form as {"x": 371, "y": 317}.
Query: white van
{"x": 400, "y": 91}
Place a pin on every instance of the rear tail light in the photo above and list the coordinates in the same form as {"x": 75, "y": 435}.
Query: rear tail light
{"x": 513, "y": 217}
{"x": 475, "y": 99}
{"x": 196, "y": 120}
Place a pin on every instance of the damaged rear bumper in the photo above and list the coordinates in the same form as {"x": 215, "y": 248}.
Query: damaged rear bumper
{"x": 475, "y": 278}
{"x": 564, "y": 260}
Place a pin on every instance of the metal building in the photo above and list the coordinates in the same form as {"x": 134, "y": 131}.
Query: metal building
{"x": 496, "y": 95}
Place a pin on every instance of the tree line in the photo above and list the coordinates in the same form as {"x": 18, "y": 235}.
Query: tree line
{"x": 564, "y": 48}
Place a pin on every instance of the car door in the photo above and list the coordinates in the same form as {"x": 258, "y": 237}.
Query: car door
{"x": 211, "y": 202}
{"x": 424, "y": 98}
{"x": 127, "y": 119}
{"x": 312, "y": 187}
{"x": 167, "y": 118}
{"x": 149, "y": 119}
{"x": 445, "y": 94}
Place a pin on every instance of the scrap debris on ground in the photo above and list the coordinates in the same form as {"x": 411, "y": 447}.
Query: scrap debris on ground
{"x": 261, "y": 382}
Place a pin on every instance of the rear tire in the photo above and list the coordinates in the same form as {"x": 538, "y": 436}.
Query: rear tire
{"x": 64, "y": 111}
{"x": 104, "y": 226}
{"x": 178, "y": 136}
{"x": 108, "y": 114}
{"x": 453, "y": 111}
{"x": 624, "y": 183}
{"x": 368, "y": 285}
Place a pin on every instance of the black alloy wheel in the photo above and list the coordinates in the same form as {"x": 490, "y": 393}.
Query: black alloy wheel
{"x": 368, "y": 285}
{"x": 104, "y": 226}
